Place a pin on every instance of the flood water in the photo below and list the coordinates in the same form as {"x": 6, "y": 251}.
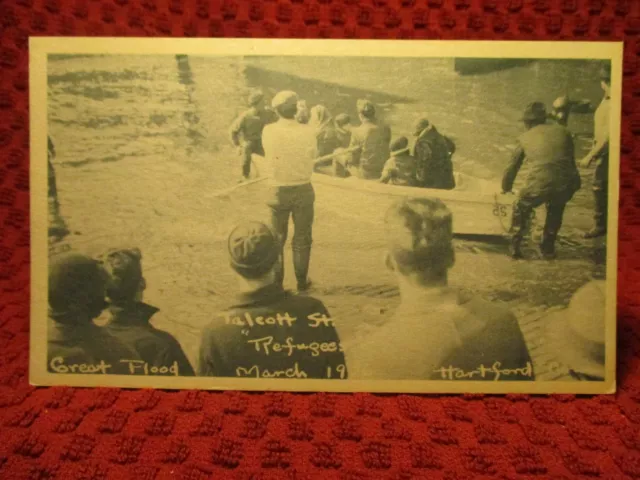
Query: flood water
{"x": 142, "y": 141}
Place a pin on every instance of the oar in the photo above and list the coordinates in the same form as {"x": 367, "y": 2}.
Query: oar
{"x": 227, "y": 191}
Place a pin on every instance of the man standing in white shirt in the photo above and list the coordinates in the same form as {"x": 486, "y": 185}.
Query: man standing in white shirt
{"x": 600, "y": 153}
{"x": 290, "y": 147}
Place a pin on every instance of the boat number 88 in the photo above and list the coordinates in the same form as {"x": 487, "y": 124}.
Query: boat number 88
{"x": 500, "y": 210}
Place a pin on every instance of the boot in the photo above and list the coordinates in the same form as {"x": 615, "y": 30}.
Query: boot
{"x": 301, "y": 259}
{"x": 279, "y": 270}
{"x": 596, "y": 232}
{"x": 514, "y": 249}
{"x": 600, "y": 215}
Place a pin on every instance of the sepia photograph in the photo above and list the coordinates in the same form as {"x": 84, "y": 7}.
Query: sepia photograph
{"x": 324, "y": 215}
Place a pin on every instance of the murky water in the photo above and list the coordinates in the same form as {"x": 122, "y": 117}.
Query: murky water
{"x": 121, "y": 121}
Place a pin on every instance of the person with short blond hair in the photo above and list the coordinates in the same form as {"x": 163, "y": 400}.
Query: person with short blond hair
{"x": 437, "y": 332}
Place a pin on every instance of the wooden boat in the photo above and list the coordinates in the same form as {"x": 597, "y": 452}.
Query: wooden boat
{"x": 477, "y": 205}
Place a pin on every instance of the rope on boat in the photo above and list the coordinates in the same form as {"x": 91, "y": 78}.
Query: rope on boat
{"x": 496, "y": 208}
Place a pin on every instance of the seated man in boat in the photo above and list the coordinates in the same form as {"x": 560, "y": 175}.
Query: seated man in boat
{"x": 332, "y": 133}
{"x": 372, "y": 139}
{"x": 437, "y": 332}
{"x": 129, "y": 317}
{"x": 246, "y": 130}
{"x": 320, "y": 120}
{"x": 342, "y": 130}
{"x": 268, "y": 332}
{"x": 433, "y": 152}
{"x": 77, "y": 297}
{"x": 552, "y": 180}
{"x": 303, "y": 114}
{"x": 400, "y": 169}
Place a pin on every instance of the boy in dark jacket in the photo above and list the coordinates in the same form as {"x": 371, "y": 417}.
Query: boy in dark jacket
{"x": 74, "y": 343}
{"x": 130, "y": 317}
{"x": 268, "y": 332}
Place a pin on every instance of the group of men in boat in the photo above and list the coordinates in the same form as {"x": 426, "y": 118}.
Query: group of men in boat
{"x": 367, "y": 152}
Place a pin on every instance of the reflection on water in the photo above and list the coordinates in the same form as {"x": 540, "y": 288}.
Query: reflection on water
{"x": 190, "y": 114}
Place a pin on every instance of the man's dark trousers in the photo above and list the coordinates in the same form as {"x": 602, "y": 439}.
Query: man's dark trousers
{"x": 296, "y": 201}
{"x": 523, "y": 209}
{"x": 600, "y": 191}
{"x": 250, "y": 147}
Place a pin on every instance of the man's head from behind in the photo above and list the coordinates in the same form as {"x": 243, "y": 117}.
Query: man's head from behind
{"x": 253, "y": 251}
{"x": 366, "y": 109}
{"x": 76, "y": 289}
{"x": 534, "y": 114}
{"x": 125, "y": 282}
{"x": 255, "y": 99}
{"x": 285, "y": 104}
{"x": 420, "y": 240}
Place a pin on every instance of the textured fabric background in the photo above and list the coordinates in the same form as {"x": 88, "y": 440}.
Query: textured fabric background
{"x": 104, "y": 433}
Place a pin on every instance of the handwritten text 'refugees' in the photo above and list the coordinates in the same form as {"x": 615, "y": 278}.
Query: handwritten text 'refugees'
{"x": 136, "y": 367}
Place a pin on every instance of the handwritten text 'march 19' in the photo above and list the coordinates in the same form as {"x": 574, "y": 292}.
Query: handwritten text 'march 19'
{"x": 255, "y": 371}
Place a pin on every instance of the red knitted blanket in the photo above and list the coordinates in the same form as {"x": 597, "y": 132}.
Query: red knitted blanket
{"x": 106, "y": 433}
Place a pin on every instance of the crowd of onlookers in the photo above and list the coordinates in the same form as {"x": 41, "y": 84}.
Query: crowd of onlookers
{"x": 436, "y": 333}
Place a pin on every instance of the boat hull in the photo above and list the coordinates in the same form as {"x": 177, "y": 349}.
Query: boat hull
{"x": 368, "y": 201}
{"x": 476, "y": 205}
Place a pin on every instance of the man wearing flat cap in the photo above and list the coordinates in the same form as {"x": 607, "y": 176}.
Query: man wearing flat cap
{"x": 291, "y": 147}
{"x": 552, "y": 180}
{"x": 268, "y": 331}
{"x": 400, "y": 169}
{"x": 600, "y": 154}
{"x": 76, "y": 297}
{"x": 371, "y": 140}
{"x": 433, "y": 151}
{"x": 246, "y": 130}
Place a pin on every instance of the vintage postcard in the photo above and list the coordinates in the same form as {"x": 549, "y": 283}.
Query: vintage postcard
{"x": 315, "y": 215}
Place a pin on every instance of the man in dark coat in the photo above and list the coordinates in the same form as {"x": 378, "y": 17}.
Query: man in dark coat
{"x": 246, "y": 130}
{"x": 130, "y": 317}
{"x": 76, "y": 297}
{"x": 433, "y": 152}
{"x": 552, "y": 180}
{"x": 268, "y": 332}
